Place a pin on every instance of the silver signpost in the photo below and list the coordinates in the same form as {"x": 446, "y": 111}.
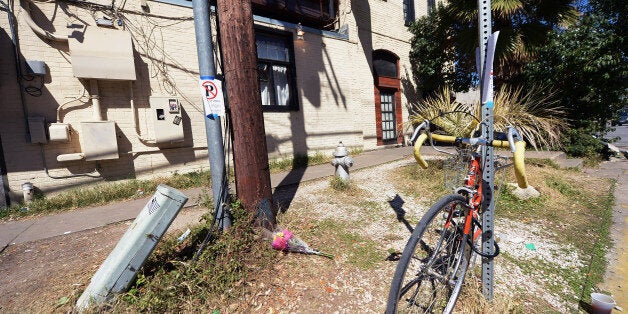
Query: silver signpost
{"x": 485, "y": 71}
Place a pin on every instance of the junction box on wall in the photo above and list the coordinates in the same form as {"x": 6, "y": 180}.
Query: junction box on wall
{"x": 167, "y": 119}
{"x": 99, "y": 140}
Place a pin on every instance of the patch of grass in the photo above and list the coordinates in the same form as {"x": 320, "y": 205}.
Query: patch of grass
{"x": 562, "y": 186}
{"x": 340, "y": 239}
{"x": 298, "y": 161}
{"x": 424, "y": 184}
{"x": 471, "y": 299}
{"x": 303, "y": 160}
{"x": 598, "y": 263}
{"x": 542, "y": 162}
{"x": 172, "y": 281}
{"x": 575, "y": 210}
{"x": 560, "y": 281}
{"x": 105, "y": 193}
{"x": 340, "y": 185}
{"x": 509, "y": 206}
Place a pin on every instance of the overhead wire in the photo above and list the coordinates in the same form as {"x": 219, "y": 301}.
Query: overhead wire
{"x": 228, "y": 139}
{"x": 148, "y": 43}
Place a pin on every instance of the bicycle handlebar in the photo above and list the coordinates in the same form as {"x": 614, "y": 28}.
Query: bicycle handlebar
{"x": 515, "y": 143}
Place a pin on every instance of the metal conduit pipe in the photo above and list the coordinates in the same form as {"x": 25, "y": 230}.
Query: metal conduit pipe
{"x": 62, "y": 106}
{"x": 136, "y": 124}
{"x": 43, "y": 161}
{"x": 93, "y": 95}
{"x": 38, "y": 30}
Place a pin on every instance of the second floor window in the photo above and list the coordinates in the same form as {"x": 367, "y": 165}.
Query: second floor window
{"x": 408, "y": 11}
{"x": 275, "y": 67}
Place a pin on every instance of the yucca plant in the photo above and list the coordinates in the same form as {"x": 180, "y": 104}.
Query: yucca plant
{"x": 534, "y": 113}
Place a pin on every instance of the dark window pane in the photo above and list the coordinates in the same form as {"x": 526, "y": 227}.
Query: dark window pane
{"x": 272, "y": 48}
{"x": 385, "y": 64}
{"x": 408, "y": 11}
{"x": 388, "y": 116}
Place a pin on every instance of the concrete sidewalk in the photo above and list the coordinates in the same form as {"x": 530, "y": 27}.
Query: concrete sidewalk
{"x": 33, "y": 229}
{"x": 616, "y": 278}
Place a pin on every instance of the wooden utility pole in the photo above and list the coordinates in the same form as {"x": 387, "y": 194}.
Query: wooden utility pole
{"x": 249, "y": 140}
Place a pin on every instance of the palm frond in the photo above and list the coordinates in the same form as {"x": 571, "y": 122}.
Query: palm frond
{"x": 447, "y": 115}
{"x": 505, "y": 8}
{"x": 534, "y": 113}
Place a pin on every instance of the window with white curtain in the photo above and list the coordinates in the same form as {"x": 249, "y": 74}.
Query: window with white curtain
{"x": 275, "y": 67}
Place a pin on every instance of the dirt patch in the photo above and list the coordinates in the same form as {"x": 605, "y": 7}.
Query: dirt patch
{"x": 34, "y": 276}
{"x": 358, "y": 227}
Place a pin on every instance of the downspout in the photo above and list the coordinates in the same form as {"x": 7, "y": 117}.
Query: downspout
{"x": 136, "y": 124}
{"x": 93, "y": 95}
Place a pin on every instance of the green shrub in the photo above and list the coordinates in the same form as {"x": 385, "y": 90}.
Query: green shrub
{"x": 580, "y": 143}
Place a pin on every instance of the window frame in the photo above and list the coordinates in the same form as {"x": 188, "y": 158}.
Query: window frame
{"x": 288, "y": 37}
{"x": 409, "y": 15}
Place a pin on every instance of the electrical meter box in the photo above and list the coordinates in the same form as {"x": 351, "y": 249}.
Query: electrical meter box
{"x": 59, "y": 132}
{"x": 168, "y": 119}
{"x": 37, "y": 129}
{"x": 98, "y": 140}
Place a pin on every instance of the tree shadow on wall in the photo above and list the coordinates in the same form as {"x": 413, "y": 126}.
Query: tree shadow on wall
{"x": 315, "y": 55}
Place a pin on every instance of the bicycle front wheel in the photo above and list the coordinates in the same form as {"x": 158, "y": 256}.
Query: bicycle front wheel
{"x": 433, "y": 264}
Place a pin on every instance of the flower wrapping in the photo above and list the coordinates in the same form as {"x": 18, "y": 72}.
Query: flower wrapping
{"x": 285, "y": 240}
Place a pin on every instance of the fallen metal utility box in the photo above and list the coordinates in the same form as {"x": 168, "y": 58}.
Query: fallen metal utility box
{"x": 121, "y": 266}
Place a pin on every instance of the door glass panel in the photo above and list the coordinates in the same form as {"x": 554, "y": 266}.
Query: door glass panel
{"x": 388, "y": 116}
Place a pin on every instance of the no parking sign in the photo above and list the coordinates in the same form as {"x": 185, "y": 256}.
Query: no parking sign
{"x": 213, "y": 100}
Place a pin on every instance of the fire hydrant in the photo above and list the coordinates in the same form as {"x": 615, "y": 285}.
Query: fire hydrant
{"x": 342, "y": 162}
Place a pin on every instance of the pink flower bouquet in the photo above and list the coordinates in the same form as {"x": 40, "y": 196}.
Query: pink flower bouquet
{"x": 286, "y": 241}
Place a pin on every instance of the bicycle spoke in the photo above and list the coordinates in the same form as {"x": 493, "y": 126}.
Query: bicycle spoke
{"x": 435, "y": 263}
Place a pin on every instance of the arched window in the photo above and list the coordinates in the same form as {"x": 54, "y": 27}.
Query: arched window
{"x": 385, "y": 64}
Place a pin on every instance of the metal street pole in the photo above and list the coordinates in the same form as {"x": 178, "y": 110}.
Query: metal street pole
{"x": 213, "y": 126}
{"x": 486, "y": 56}
{"x": 488, "y": 178}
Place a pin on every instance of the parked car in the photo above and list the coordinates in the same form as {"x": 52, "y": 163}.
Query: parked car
{"x": 623, "y": 118}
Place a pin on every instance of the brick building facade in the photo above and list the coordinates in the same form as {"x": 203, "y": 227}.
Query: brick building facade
{"x": 335, "y": 94}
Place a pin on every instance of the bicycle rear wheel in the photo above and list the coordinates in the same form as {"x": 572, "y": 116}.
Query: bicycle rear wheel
{"x": 431, "y": 270}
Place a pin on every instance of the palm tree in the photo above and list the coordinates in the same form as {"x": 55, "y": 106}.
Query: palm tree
{"x": 523, "y": 26}
{"x": 534, "y": 112}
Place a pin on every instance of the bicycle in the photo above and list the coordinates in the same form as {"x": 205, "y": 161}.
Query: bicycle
{"x": 432, "y": 268}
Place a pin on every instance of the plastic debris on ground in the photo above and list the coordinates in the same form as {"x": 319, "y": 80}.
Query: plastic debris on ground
{"x": 285, "y": 240}
{"x": 184, "y": 235}
{"x": 531, "y": 246}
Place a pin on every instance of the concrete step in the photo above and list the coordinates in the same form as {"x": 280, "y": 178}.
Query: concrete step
{"x": 570, "y": 163}
{"x": 540, "y": 154}
{"x": 559, "y": 158}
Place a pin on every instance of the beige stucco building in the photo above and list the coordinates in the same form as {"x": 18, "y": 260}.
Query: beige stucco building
{"x": 348, "y": 80}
